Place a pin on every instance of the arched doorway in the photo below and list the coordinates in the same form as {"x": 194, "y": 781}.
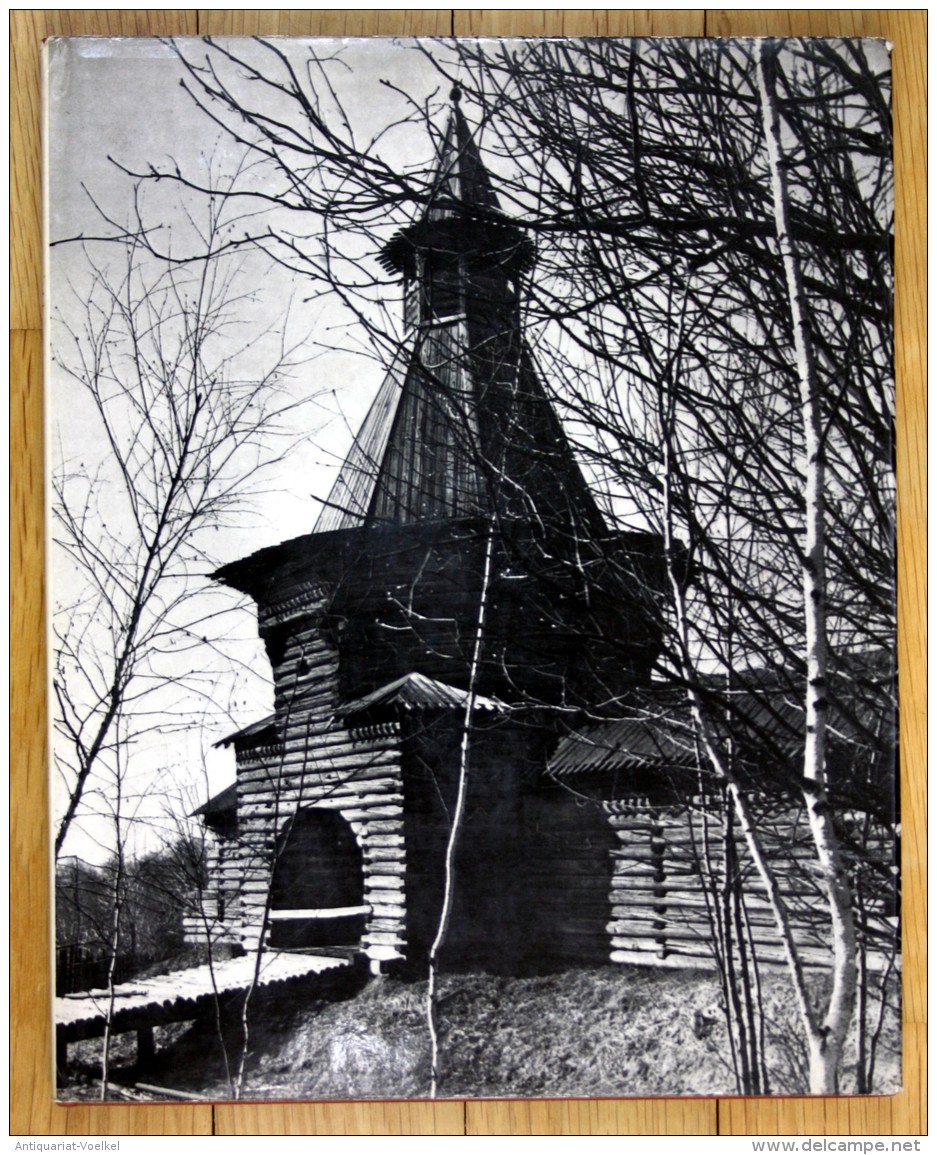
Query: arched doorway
{"x": 317, "y": 893}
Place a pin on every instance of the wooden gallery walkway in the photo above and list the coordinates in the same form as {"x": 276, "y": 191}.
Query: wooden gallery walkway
{"x": 178, "y": 996}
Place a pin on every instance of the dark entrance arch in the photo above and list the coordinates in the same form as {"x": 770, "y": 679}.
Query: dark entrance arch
{"x": 317, "y": 893}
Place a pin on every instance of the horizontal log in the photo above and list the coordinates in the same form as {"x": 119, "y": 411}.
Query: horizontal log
{"x": 644, "y": 881}
{"x": 672, "y": 839}
{"x": 650, "y": 947}
{"x": 384, "y": 938}
{"x": 313, "y": 709}
{"x": 683, "y": 899}
{"x": 255, "y": 885}
{"x": 774, "y": 824}
{"x": 376, "y": 840}
{"x": 394, "y": 925}
{"x": 700, "y": 949}
{"x": 644, "y": 856}
{"x": 382, "y": 882}
{"x": 309, "y": 633}
{"x": 680, "y": 933}
{"x": 373, "y": 806}
{"x": 315, "y": 782}
{"x": 625, "y": 870}
{"x": 384, "y": 867}
{"x": 313, "y": 794}
{"x": 302, "y": 739}
{"x": 308, "y": 695}
{"x": 383, "y": 953}
{"x": 649, "y": 956}
{"x": 317, "y": 657}
{"x": 306, "y": 662}
{"x": 656, "y": 907}
{"x": 681, "y": 958}
{"x": 342, "y": 761}
{"x": 809, "y": 956}
{"x": 384, "y": 853}
{"x": 330, "y": 776}
{"x": 305, "y": 718}
{"x": 764, "y": 934}
{"x": 373, "y": 812}
{"x": 646, "y": 928}
{"x": 384, "y": 826}
{"x": 304, "y": 642}
{"x": 284, "y": 806}
{"x": 387, "y": 909}
{"x": 639, "y": 874}
{"x": 278, "y": 914}
{"x": 675, "y": 899}
{"x": 256, "y": 888}
{"x": 644, "y": 829}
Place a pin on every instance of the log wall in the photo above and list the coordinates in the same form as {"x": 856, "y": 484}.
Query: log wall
{"x": 215, "y": 913}
{"x": 675, "y": 868}
{"x": 318, "y": 762}
{"x": 488, "y": 925}
{"x": 568, "y": 846}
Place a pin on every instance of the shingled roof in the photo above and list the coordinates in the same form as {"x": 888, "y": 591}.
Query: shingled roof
{"x": 417, "y": 692}
{"x": 462, "y": 420}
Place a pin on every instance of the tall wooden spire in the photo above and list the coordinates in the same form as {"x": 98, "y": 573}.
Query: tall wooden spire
{"x": 462, "y": 425}
{"x": 461, "y": 443}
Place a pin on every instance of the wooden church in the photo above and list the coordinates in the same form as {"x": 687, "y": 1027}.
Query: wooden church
{"x": 462, "y": 596}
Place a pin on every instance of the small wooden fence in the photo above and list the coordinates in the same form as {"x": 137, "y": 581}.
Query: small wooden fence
{"x": 79, "y": 967}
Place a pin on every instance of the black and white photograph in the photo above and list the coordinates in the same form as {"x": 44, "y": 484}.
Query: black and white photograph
{"x": 471, "y": 580}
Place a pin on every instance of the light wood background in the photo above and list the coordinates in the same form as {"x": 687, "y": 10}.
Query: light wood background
{"x": 32, "y": 1108}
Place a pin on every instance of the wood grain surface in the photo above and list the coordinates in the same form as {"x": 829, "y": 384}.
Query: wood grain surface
{"x": 32, "y": 1109}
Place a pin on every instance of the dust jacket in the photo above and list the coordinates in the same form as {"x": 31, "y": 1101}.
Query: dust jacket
{"x": 472, "y": 568}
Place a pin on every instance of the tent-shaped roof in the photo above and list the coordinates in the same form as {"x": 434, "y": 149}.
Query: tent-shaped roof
{"x": 462, "y": 423}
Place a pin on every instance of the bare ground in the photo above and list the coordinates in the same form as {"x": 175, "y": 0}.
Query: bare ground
{"x": 603, "y": 1032}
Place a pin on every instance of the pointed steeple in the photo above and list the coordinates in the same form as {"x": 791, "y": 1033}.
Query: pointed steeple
{"x": 462, "y": 212}
{"x": 462, "y": 183}
{"x": 462, "y": 424}
{"x": 462, "y": 448}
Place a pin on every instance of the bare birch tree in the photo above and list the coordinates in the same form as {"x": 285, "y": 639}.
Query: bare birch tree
{"x": 158, "y": 345}
{"x": 696, "y": 125}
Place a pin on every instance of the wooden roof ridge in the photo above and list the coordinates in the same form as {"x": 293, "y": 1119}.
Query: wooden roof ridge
{"x": 251, "y": 731}
{"x": 415, "y": 691}
{"x": 223, "y": 802}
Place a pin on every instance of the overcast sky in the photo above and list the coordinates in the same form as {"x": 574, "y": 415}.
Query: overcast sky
{"x": 121, "y": 100}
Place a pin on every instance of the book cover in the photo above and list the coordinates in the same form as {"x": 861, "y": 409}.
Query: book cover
{"x": 472, "y": 570}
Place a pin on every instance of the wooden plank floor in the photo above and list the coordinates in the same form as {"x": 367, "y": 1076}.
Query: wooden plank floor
{"x": 32, "y": 1109}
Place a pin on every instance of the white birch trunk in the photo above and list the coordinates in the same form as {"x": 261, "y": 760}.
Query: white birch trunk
{"x": 455, "y": 825}
{"x": 723, "y": 770}
{"x": 826, "y": 1045}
